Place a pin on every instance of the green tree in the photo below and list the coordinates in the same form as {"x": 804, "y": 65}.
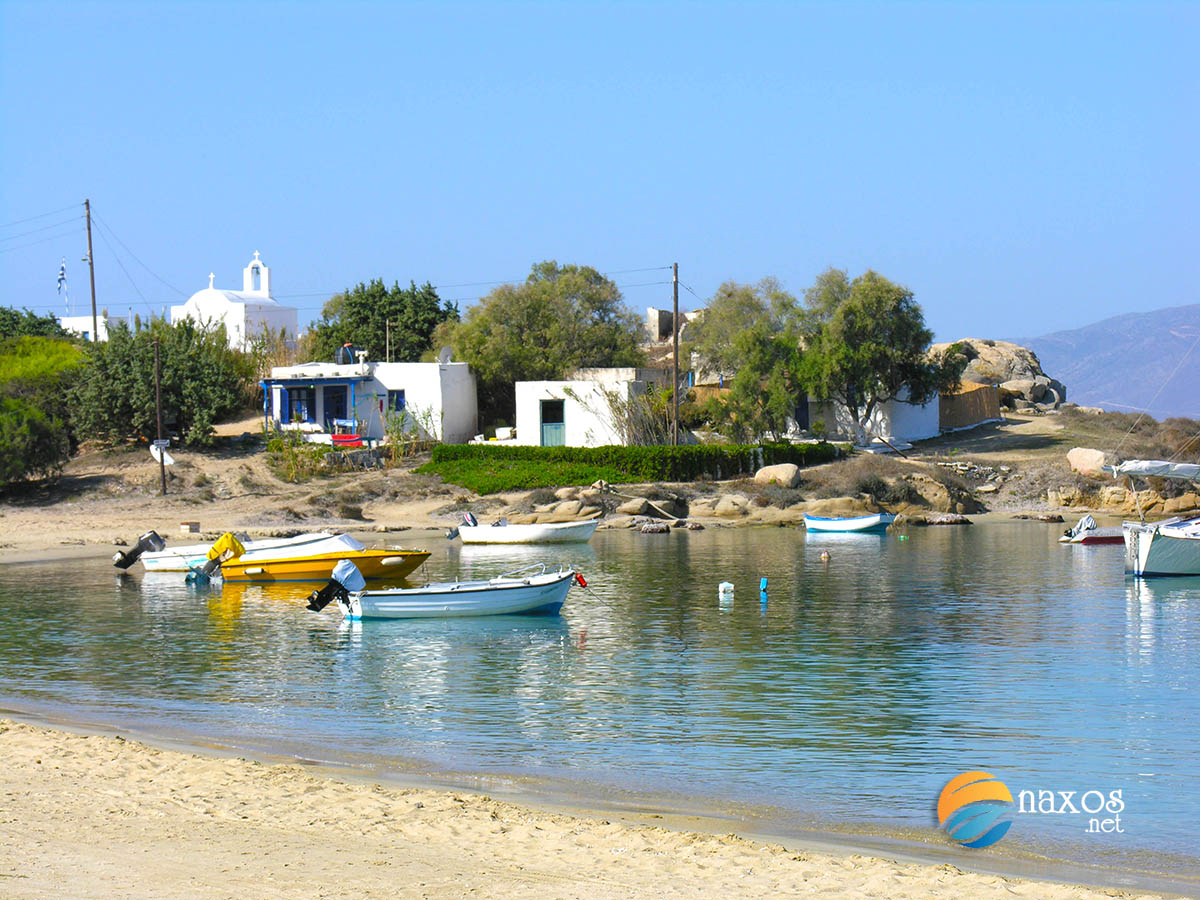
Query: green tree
{"x": 562, "y": 318}
{"x": 202, "y": 381}
{"x": 35, "y": 434}
{"x": 361, "y": 316}
{"x": 28, "y": 323}
{"x": 750, "y": 335}
{"x": 874, "y": 348}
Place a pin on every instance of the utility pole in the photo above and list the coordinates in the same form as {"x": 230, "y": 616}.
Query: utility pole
{"x": 675, "y": 355}
{"x": 162, "y": 449}
{"x": 87, "y": 209}
{"x": 388, "y": 330}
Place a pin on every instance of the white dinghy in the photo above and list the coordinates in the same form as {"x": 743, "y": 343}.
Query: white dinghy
{"x": 531, "y": 590}
{"x": 502, "y": 532}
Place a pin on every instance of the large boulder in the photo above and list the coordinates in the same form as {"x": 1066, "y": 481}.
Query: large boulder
{"x": 1086, "y": 461}
{"x": 786, "y": 474}
{"x": 1003, "y": 363}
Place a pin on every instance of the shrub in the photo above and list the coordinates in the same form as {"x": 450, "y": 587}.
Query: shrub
{"x": 293, "y": 459}
{"x": 488, "y": 468}
{"x": 32, "y": 443}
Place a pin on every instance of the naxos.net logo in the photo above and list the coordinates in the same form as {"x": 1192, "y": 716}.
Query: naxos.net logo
{"x": 975, "y": 808}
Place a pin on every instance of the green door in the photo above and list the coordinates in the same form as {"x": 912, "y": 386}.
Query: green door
{"x": 554, "y": 429}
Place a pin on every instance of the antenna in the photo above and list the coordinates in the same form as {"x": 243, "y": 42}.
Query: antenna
{"x": 444, "y": 355}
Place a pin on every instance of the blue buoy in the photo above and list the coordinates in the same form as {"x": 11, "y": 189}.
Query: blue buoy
{"x": 762, "y": 584}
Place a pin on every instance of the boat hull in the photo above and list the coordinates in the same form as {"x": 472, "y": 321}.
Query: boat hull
{"x": 188, "y": 556}
{"x": 853, "y": 524}
{"x": 549, "y": 533}
{"x": 1171, "y": 548}
{"x": 500, "y": 596}
{"x": 1096, "y": 536}
{"x": 371, "y": 563}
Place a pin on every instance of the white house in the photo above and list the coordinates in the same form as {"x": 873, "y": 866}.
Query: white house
{"x": 437, "y": 399}
{"x": 82, "y": 325}
{"x": 578, "y": 413}
{"x": 246, "y": 313}
{"x": 896, "y": 421}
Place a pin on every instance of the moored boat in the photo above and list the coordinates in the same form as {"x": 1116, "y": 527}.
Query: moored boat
{"x": 1086, "y": 531}
{"x": 315, "y": 561}
{"x": 188, "y": 556}
{"x": 1171, "y": 547}
{"x": 531, "y": 590}
{"x": 867, "y": 523}
{"x": 502, "y": 532}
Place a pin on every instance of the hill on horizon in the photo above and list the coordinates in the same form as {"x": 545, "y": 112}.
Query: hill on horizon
{"x": 1122, "y": 363}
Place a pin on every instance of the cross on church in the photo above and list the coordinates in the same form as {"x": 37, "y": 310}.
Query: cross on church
{"x": 211, "y": 276}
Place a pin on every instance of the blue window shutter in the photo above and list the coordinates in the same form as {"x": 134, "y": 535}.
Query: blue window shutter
{"x": 285, "y": 412}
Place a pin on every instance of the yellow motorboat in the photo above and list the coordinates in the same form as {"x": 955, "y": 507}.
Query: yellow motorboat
{"x": 313, "y": 561}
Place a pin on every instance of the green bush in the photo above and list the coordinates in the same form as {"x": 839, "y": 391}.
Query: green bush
{"x": 32, "y": 443}
{"x": 202, "y": 381}
{"x": 293, "y": 459}
{"x": 485, "y": 468}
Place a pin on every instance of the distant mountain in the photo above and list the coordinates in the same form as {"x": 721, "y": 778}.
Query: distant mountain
{"x": 1123, "y": 362}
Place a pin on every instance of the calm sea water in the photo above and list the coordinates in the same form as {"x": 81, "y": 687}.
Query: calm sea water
{"x": 848, "y": 699}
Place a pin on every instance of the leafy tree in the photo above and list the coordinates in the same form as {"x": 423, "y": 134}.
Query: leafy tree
{"x": 360, "y": 316}
{"x": 874, "y": 348}
{"x": 734, "y": 309}
{"x": 28, "y": 323}
{"x": 202, "y": 381}
{"x": 750, "y": 335}
{"x": 562, "y": 318}
{"x": 35, "y": 435}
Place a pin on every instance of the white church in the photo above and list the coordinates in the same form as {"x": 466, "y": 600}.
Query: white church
{"x": 246, "y": 313}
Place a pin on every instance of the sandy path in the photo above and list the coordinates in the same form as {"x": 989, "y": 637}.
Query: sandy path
{"x": 102, "y": 817}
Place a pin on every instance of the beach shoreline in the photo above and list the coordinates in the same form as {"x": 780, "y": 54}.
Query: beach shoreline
{"x": 167, "y": 787}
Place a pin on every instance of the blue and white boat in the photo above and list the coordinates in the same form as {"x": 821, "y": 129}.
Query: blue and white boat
{"x": 852, "y": 524}
{"x": 531, "y": 590}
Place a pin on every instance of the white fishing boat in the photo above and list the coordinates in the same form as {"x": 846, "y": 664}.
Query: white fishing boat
{"x": 1171, "y": 547}
{"x": 188, "y": 556}
{"x": 857, "y": 524}
{"x": 530, "y": 590}
{"x": 503, "y": 532}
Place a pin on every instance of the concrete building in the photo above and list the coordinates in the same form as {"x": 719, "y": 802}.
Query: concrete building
{"x": 437, "y": 399}
{"x": 246, "y": 313}
{"x": 578, "y": 412}
{"x": 82, "y": 325}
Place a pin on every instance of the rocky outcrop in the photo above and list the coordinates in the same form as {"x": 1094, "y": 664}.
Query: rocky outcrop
{"x": 1014, "y": 368}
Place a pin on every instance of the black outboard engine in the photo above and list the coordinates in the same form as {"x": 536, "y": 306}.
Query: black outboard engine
{"x": 344, "y": 579}
{"x": 150, "y": 541}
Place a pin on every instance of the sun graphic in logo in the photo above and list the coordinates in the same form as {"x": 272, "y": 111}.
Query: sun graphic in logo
{"x": 971, "y": 808}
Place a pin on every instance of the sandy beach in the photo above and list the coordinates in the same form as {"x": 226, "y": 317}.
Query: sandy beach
{"x": 95, "y": 816}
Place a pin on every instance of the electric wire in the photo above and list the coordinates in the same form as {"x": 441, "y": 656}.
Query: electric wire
{"x": 44, "y": 215}
{"x": 123, "y": 269}
{"x": 52, "y": 237}
{"x": 13, "y": 237}
{"x": 1161, "y": 387}
{"x": 117, "y": 237}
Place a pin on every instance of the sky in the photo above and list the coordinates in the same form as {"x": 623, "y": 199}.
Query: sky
{"x": 1021, "y": 167}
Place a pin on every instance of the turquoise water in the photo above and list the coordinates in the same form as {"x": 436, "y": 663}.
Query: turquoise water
{"x": 846, "y": 701}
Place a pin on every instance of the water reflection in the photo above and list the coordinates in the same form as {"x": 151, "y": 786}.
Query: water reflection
{"x": 852, "y": 694}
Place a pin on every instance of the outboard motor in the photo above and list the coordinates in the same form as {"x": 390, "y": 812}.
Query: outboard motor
{"x": 469, "y": 519}
{"x": 150, "y": 541}
{"x": 344, "y": 579}
{"x": 226, "y": 547}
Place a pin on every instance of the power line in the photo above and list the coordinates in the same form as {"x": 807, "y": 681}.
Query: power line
{"x": 690, "y": 291}
{"x": 1161, "y": 387}
{"x": 53, "y": 237}
{"x": 13, "y": 237}
{"x": 628, "y": 271}
{"x": 126, "y": 271}
{"x": 53, "y": 212}
{"x": 108, "y": 228}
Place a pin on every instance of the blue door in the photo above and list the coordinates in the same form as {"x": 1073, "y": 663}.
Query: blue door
{"x": 554, "y": 428}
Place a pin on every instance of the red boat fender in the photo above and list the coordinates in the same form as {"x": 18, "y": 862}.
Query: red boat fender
{"x": 580, "y": 579}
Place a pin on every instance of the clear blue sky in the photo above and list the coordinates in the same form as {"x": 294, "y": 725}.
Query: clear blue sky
{"x": 1021, "y": 167}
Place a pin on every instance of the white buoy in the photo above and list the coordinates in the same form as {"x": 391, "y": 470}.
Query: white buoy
{"x": 725, "y": 592}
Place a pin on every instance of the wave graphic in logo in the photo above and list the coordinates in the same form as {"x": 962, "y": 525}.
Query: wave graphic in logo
{"x": 972, "y": 808}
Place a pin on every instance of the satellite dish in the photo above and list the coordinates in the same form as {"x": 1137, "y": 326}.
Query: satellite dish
{"x": 444, "y": 355}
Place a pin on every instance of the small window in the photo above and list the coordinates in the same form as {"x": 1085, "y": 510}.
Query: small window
{"x": 395, "y": 401}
